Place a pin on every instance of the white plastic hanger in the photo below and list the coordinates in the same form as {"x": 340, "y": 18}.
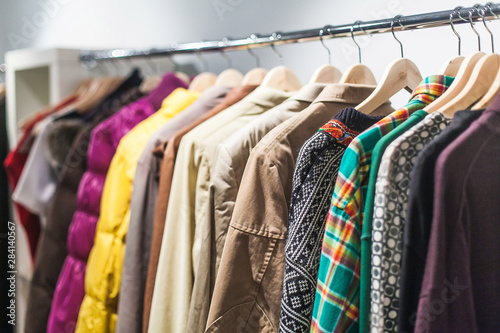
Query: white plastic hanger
{"x": 400, "y": 74}
{"x": 326, "y": 73}
{"x": 358, "y": 73}
{"x": 281, "y": 77}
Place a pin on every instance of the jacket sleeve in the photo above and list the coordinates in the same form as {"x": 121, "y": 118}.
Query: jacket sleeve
{"x": 221, "y": 197}
{"x": 247, "y": 292}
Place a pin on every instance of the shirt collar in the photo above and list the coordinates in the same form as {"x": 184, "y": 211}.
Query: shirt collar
{"x": 308, "y": 93}
{"x": 345, "y": 93}
{"x": 430, "y": 89}
{"x": 267, "y": 96}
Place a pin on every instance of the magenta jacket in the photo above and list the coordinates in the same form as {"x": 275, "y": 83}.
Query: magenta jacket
{"x": 70, "y": 288}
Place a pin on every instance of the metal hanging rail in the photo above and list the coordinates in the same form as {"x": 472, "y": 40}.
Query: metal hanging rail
{"x": 412, "y": 22}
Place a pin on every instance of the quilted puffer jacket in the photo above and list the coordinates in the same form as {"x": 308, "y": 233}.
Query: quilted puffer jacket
{"x": 104, "y": 141}
{"x": 98, "y": 312}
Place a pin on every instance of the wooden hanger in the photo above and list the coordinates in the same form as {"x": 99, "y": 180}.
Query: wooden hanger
{"x": 400, "y": 74}
{"x": 229, "y": 78}
{"x": 254, "y": 77}
{"x": 451, "y": 66}
{"x": 202, "y": 81}
{"x": 478, "y": 84}
{"x": 460, "y": 81}
{"x": 83, "y": 86}
{"x": 494, "y": 90}
{"x": 282, "y": 78}
{"x": 99, "y": 88}
{"x": 326, "y": 73}
{"x": 358, "y": 74}
{"x": 490, "y": 95}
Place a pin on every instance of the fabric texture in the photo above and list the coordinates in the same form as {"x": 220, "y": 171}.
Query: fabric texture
{"x": 460, "y": 285}
{"x": 247, "y": 292}
{"x": 98, "y": 311}
{"x": 312, "y": 188}
{"x": 366, "y": 236}
{"x": 231, "y": 157}
{"x": 419, "y": 217}
{"x": 39, "y": 179}
{"x": 168, "y": 152}
{"x": 336, "y": 304}
{"x": 389, "y": 216}
{"x": 181, "y": 237}
{"x": 14, "y": 165}
{"x": 104, "y": 141}
{"x": 142, "y": 204}
{"x": 52, "y": 248}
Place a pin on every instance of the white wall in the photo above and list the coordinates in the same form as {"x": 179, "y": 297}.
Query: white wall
{"x": 94, "y": 24}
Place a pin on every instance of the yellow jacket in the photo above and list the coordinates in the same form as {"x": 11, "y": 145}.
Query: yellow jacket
{"x": 98, "y": 312}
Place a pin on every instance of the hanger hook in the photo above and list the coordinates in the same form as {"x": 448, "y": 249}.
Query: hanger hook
{"x": 151, "y": 64}
{"x": 228, "y": 59}
{"x": 253, "y": 54}
{"x": 321, "y": 32}
{"x": 454, "y": 30}
{"x": 354, "y": 40}
{"x": 276, "y": 36}
{"x": 397, "y": 17}
{"x": 481, "y": 10}
{"x": 474, "y": 29}
{"x": 117, "y": 66}
{"x": 203, "y": 60}
{"x": 488, "y": 6}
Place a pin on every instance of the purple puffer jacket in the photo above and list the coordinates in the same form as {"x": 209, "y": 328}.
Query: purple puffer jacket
{"x": 70, "y": 288}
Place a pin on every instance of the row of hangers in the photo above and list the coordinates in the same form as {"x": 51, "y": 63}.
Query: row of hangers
{"x": 477, "y": 77}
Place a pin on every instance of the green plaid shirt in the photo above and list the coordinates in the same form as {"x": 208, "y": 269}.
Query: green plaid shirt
{"x": 336, "y": 304}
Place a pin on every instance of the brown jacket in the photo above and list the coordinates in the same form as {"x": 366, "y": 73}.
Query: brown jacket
{"x": 166, "y": 173}
{"x": 247, "y": 294}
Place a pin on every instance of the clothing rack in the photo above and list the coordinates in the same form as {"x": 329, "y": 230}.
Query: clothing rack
{"x": 459, "y": 15}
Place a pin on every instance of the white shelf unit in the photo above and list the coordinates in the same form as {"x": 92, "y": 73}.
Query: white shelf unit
{"x": 37, "y": 78}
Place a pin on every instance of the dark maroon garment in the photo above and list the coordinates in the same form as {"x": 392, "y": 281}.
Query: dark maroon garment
{"x": 419, "y": 217}
{"x": 461, "y": 286}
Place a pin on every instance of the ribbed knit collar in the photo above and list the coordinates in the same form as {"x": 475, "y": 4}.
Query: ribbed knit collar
{"x": 356, "y": 120}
